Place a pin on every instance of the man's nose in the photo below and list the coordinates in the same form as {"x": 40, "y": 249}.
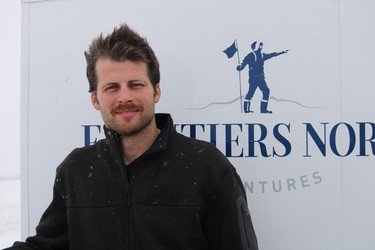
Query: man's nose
{"x": 125, "y": 95}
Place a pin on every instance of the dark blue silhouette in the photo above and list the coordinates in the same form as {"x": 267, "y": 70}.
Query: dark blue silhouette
{"x": 255, "y": 60}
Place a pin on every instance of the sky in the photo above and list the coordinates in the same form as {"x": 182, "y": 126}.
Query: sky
{"x": 10, "y": 44}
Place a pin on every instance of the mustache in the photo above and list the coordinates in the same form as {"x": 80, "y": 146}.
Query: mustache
{"x": 122, "y": 107}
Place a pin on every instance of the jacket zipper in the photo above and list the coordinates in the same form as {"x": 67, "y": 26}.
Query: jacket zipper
{"x": 129, "y": 215}
{"x": 127, "y": 186}
{"x": 131, "y": 233}
{"x": 128, "y": 192}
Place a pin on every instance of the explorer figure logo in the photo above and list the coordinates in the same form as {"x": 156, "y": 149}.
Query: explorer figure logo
{"x": 255, "y": 60}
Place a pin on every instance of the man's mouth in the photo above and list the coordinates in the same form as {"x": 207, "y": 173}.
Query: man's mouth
{"x": 126, "y": 112}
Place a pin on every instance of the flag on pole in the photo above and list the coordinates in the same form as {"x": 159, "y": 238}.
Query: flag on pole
{"x": 231, "y": 50}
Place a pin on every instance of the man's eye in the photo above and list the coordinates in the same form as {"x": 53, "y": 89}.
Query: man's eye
{"x": 136, "y": 84}
{"x": 110, "y": 88}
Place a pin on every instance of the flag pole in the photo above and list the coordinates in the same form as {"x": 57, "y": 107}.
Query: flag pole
{"x": 239, "y": 74}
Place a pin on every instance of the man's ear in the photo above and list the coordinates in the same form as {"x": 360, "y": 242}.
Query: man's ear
{"x": 94, "y": 101}
{"x": 157, "y": 93}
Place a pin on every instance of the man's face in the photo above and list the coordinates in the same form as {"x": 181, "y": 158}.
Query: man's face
{"x": 125, "y": 96}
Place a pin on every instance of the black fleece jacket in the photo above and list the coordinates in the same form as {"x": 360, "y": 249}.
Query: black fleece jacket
{"x": 182, "y": 194}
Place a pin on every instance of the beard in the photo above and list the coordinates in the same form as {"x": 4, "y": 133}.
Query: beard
{"x": 137, "y": 124}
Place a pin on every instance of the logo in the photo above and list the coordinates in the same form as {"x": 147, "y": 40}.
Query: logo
{"x": 254, "y": 61}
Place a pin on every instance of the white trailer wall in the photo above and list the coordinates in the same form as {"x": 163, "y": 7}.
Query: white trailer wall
{"x": 312, "y": 185}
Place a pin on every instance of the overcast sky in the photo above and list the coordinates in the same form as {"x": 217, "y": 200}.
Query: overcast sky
{"x": 10, "y": 43}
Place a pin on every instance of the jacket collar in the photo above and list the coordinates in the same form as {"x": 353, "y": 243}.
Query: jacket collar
{"x": 164, "y": 123}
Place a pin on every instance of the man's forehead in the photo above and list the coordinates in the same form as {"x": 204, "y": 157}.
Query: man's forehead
{"x": 109, "y": 70}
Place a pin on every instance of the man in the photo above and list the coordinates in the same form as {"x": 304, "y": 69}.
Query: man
{"x": 144, "y": 186}
{"x": 255, "y": 60}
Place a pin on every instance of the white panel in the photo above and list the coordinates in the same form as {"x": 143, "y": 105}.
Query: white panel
{"x": 304, "y": 199}
{"x": 358, "y": 83}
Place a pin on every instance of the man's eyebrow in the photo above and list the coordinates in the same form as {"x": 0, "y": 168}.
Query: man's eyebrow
{"x": 136, "y": 81}
{"x": 108, "y": 84}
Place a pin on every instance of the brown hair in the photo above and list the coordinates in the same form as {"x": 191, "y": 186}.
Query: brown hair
{"x": 121, "y": 45}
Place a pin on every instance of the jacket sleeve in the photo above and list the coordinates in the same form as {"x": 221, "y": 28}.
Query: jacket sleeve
{"x": 52, "y": 230}
{"x": 228, "y": 224}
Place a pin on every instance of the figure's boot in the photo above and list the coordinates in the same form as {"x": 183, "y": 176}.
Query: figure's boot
{"x": 246, "y": 107}
{"x": 263, "y": 107}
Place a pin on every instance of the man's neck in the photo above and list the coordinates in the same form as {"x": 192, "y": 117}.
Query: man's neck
{"x": 135, "y": 145}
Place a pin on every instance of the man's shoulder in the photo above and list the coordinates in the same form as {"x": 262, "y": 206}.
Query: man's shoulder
{"x": 93, "y": 148}
{"x": 185, "y": 140}
{"x": 85, "y": 154}
{"x": 198, "y": 147}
